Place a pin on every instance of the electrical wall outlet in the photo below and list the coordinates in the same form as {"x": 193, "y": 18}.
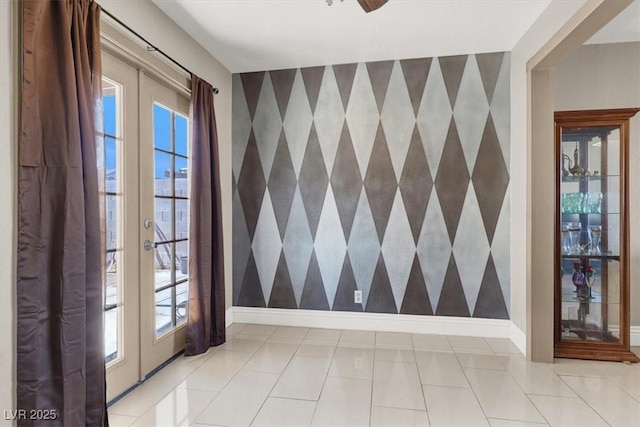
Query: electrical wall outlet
{"x": 357, "y": 297}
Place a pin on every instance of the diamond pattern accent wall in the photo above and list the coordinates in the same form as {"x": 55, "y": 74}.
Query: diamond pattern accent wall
{"x": 388, "y": 177}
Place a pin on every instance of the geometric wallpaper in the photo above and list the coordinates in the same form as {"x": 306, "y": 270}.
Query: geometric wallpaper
{"x": 389, "y": 177}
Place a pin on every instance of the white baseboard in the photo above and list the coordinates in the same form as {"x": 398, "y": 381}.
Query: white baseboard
{"x": 635, "y": 336}
{"x": 518, "y": 338}
{"x": 228, "y": 317}
{"x": 441, "y": 325}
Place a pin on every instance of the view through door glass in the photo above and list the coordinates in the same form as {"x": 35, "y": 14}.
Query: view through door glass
{"x": 171, "y": 206}
{"x": 112, "y": 93}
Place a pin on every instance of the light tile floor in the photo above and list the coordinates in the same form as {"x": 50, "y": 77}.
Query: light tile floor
{"x": 283, "y": 376}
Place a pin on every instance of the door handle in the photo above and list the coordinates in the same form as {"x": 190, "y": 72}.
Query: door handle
{"x": 148, "y": 245}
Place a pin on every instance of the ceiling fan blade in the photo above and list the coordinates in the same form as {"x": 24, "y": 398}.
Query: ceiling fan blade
{"x": 371, "y": 5}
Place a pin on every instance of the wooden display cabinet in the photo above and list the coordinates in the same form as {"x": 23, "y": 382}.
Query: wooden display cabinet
{"x": 592, "y": 235}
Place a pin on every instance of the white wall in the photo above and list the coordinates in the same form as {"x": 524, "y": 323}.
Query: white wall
{"x": 601, "y": 77}
{"x": 7, "y": 216}
{"x": 550, "y": 21}
{"x": 150, "y": 22}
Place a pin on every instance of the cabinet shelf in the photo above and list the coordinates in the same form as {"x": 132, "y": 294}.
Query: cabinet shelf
{"x": 587, "y": 178}
{"x": 596, "y": 299}
{"x": 614, "y": 257}
{"x": 598, "y": 214}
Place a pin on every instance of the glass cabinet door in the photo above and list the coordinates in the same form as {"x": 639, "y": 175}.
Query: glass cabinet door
{"x": 592, "y": 313}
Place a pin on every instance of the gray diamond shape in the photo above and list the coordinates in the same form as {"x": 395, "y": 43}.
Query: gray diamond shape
{"x": 416, "y": 184}
{"x": 381, "y": 298}
{"x": 452, "y": 71}
{"x": 251, "y": 185}
{"x": 379, "y": 74}
{"x": 364, "y": 247}
{"x": 380, "y": 183}
{"x": 282, "y": 83}
{"x": 267, "y": 125}
{"x": 501, "y": 250}
{"x": 328, "y": 117}
{"x": 282, "y": 184}
{"x": 241, "y": 124}
{"x": 266, "y": 246}
{"x": 434, "y": 116}
{"x": 501, "y": 107}
{"x": 362, "y": 117}
{"x": 330, "y": 247}
{"x": 312, "y": 77}
{"x": 398, "y": 118}
{"x": 252, "y": 84}
{"x": 313, "y": 181}
{"x": 415, "y": 75}
{"x": 490, "y": 178}
{"x": 471, "y": 111}
{"x": 346, "y": 181}
{"x": 489, "y": 65}
{"x": 434, "y": 249}
{"x": 452, "y": 300}
{"x": 490, "y": 303}
{"x": 471, "y": 248}
{"x": 345, "y": 75}
{"x": 398, "y": 250}
{"x": 452, "y": 180}
{"x": 282, "y": 295}
{"x": 241, "y": 246}
{"x": 297, "y": 122}
{"x": 298, "y": 245}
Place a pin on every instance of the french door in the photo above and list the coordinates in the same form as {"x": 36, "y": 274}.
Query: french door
{"x": 146, "y": 153}
{"x": 165, "y": 211}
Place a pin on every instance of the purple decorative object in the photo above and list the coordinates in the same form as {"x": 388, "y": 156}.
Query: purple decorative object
{"x": 578, "y": 277}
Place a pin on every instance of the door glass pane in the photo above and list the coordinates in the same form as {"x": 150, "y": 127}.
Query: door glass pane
{"x": 164, "y": 310}
{"x": 111, "y": 267}
{"x": 112, "y": 222}
{"x": 164, "y": 219}
{"x": 111, "y": 159}
{"x": 182, "y": 219}
{"x": 161, "y": 127}
{"x": 181, "y": 302}
{"x": 111, "y": 332}
{"x": 162, "y": 167}
{"x": 182, "y": 264}
{"x": 163, "y": 261}
{"x": 109, "y": 106}
{"x": 181, "y": 138}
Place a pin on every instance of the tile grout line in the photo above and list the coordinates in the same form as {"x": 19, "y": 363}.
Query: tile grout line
{"x": 529, "y": 397}
{"x": 470, "y": 385}
{"x": 237, "y": 371}
{"x": 373, "y": 377}
{"x": 325, "y": 376}
{"x": 424, "y": 398}
{"x": 581, "y": 398}
{"x": 279, "y": 375}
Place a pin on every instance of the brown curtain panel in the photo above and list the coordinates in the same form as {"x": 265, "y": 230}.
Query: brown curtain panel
{"x": 206, "y": 314}
{"x": 60, "y": 355}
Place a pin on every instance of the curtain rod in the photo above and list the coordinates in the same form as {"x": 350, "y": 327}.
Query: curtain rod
{"x": 151, "y": 47}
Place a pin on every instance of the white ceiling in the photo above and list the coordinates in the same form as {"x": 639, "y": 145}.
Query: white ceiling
{"x": 623, "y": 28}
{"x": 256, "y": 35}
